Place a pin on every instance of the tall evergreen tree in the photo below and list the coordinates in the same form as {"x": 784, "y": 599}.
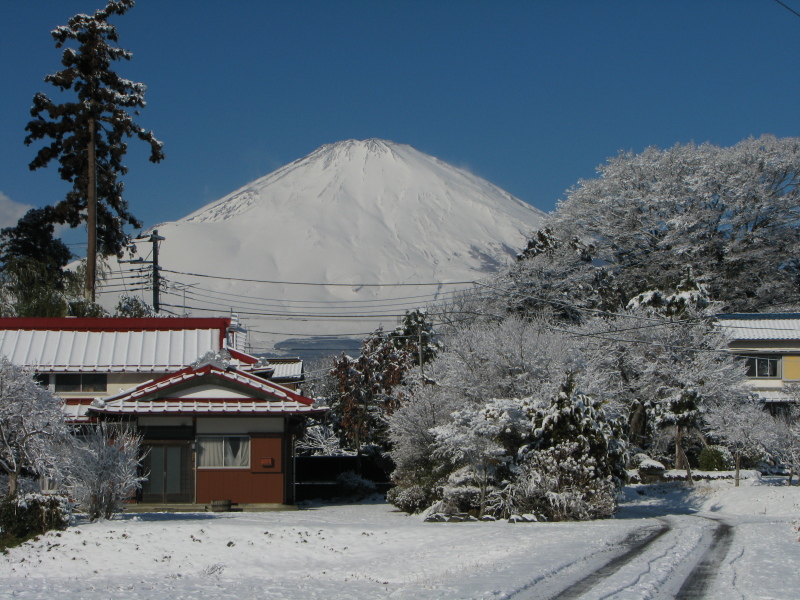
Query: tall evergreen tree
{"x": 31, "y": 239}
{"x": 86, "y": 136}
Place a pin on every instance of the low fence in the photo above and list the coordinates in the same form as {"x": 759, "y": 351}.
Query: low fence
{"x": 316, "y": 476}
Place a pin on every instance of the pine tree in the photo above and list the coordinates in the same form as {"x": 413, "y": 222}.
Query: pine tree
{"x": 416, "y": 335}
{"x": 87, "y": 135}
{"x": 365, "y": 388}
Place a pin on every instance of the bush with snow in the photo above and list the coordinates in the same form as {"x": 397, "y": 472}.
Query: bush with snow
{"x": 104, "y": 470}
{"x": 560, "y": 459}
{"x": 715, "y": 458}
{"x": 31, "y": 514}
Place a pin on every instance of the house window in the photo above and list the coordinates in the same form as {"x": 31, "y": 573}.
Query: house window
{"x": 763, "y": 367}
{"x": 223, "y": 452}
{"x": 81, "y": 382}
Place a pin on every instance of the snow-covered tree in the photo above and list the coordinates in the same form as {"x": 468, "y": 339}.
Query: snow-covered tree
{"x": 416, "y": 335}
{"x": 31, "y": 425}
{"x": 104, "y": 469}
{"x": 745, "y": 427}
{"x": 730, "y": 214}
{"x": 660, "y": 371}
{"x": 319, "y": 440}
{"x": 87, "y": 134}
{"x": 472, "y": 440}
{"x": 785, "y": 442}
{"x": 366, "y": 388}
{"x": 33, "y": 262}
{"x": 133, "y": 306}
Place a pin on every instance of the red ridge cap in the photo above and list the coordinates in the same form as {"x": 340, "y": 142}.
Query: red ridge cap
{"x": 115, "y": 323}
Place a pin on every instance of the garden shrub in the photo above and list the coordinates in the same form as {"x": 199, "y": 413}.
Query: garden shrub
{"x": 715, "y": 458}
{"x": 27, "y": 515}
{"x": 410, "y": 499}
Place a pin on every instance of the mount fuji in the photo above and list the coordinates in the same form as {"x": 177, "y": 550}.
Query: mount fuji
{"x": 346, "y": 220}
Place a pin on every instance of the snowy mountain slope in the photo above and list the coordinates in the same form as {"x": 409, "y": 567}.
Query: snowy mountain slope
{"x": 355, "y": 212}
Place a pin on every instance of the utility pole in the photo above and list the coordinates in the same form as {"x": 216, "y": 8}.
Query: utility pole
{"x": 419, "y": 347}
{"x": 91, "y": 217}
{"x": 154, "y": 239}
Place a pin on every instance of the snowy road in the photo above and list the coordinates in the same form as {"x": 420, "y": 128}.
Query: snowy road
{"x": 366, "y": 551}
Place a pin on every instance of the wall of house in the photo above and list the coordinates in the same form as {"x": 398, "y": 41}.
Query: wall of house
{"x": 262, "y": 483}
{"x": 791, "y": 368}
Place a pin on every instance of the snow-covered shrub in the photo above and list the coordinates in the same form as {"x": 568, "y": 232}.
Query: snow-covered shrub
{"x": 715, "y": 458}
{"x": 351, "y": 484}
{"x": 31, "y": 514}
{"x": 651, "y": 470}
{"x": 104, "y": 470}
{"x": 559, "y": 483}
{"x": 411, "y": 499}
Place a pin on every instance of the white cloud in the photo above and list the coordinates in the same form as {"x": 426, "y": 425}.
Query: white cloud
{"x": 11, "y": 211}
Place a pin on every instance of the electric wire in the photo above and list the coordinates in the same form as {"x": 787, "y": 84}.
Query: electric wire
{"x": 302, "y": 283}
{"x": 791, "y": 10}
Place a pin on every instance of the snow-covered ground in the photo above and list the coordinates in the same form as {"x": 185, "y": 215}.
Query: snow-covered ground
{"x": 369, "y": 550}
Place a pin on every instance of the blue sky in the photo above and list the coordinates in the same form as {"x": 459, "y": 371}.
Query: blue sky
{"x": 529, "y": 95}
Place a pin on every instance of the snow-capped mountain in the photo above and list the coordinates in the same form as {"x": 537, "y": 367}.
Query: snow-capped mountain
{"x": 355, "y": 212}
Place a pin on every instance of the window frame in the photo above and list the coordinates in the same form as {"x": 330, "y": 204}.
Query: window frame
{"x": 752, "y": 366}
{"x": 199, "y": 439}
{"x": 83, "y": 386}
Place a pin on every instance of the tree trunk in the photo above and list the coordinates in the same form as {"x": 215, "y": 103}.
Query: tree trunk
{"x": 738, "y": 463}
{"x": 91, "y": 216}
{"x": 638, "y": 424}
{"x": 13, "y": 477}
{"x": 680, "y": 455}
{"x": 678, "y": 448}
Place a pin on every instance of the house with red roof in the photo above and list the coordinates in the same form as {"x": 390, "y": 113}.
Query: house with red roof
{"x": 216, "y": 422}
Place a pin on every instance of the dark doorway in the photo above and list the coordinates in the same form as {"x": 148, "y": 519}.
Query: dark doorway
{"x": 171, "y": 473}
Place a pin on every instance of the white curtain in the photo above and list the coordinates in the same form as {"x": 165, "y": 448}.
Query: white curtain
{"x": 237, "y": 452}
{"x": 230, "y": 451}
{"x": 209, "y": 452}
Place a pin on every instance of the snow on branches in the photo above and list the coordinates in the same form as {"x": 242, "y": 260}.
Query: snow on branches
{"x": 31, "y": 425}
{"x": 730, "y": 214}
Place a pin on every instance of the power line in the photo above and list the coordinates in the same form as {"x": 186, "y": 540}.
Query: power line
{"x": 377, "y": 301}
{"x": 791, "y": 10}
{"x": 350, "y": 285}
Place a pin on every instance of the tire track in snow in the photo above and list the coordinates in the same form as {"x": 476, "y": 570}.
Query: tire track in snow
{"x": 635, "y": 548}
{"x": 635, "y": 543}
{"x": 699, "y": 580}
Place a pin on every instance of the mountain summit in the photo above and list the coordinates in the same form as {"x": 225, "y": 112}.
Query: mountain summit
{"x": 354, "y": 212}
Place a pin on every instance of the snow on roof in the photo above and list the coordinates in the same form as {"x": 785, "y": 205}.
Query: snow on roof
{"x": 774, "y": 396}
{"x": 186, "y": 406}
{"x": 286, "y": 368}
{"x": 756, "y": 326}
{"x": 210, "y": 385}
{"x": 110, "y": 345}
